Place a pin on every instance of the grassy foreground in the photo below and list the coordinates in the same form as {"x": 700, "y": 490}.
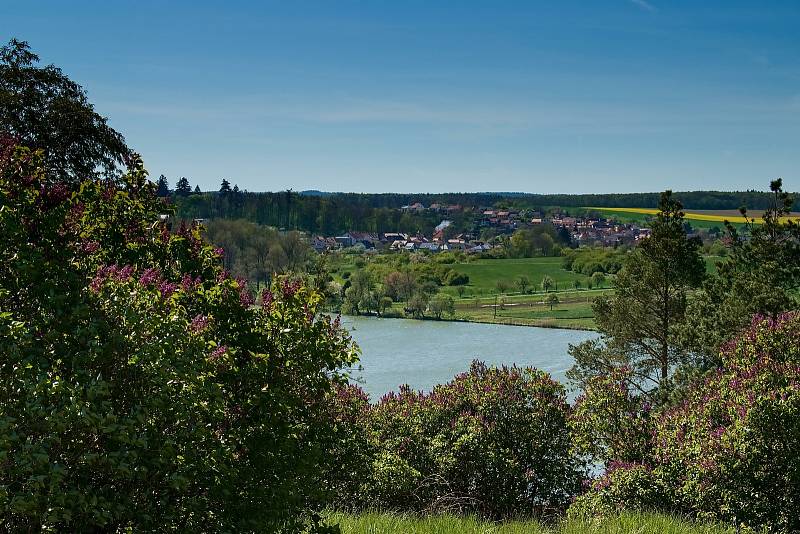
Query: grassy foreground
{"x": 640, "y": 523}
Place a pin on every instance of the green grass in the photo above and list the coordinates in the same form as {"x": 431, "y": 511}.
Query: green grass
{"x": 484, "y": 274}
{"x": 639, "y": 523}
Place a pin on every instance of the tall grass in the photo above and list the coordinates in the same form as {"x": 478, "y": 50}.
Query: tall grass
{"x": 639, "y": 523}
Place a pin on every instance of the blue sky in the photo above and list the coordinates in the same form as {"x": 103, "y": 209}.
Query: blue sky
{"x": 412, "y": 96}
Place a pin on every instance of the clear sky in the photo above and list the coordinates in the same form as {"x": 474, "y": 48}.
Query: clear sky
{"x": 413, "y": 96}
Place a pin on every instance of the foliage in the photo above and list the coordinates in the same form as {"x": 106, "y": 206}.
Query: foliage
{"x": 552, "y": 300}
{"x": 610, "y": 422}
{"x": 43, "y": 109}
{"x": 140, "y": 389}
{"x": 729, "y": 452}
{"x": 641, "y": 321}
{"x": 590, "y": 260}
{"x": 257, "y": 253}
{"x": 547, "y": 283}
{"x": 759, "y": 275}
{"x": 493, "y": 441}
{"x": 442, "y": 305}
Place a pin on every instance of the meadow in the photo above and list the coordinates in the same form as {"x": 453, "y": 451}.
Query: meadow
{"x": 641, "y": 523}
{"x": 484, "y": 274}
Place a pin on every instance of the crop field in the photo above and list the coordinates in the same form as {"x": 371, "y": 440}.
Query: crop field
{"x": 699, "y": 218}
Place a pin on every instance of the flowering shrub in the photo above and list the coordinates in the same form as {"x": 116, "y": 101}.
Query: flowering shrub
{"x": 609, "y": 422}
{"x": 493, "y": 441}
{"x": 139, "y": 389}
{"x": 731, "y": 451}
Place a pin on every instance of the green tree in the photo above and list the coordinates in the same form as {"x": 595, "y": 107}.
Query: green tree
{"x": 640, "y": 323}
{"x": 552, "y": 300}
{"x": 523, "y": 282}
{"x": 139, "y": 388}
{"x": 598, "y": 279}
{"x": 441, "y": 305}
{"x": 162, "y": 186}
{"x": 225, "y": 187}
{"x": 547, "y": 283}
{"x": 385, "y": 303}
{"x": 182, "y": 187}
{"x": 760, "y": 275}
{"x": 43, "y": 109}
{"x": 417, "y": 304}
{"x": 502, "y": 286}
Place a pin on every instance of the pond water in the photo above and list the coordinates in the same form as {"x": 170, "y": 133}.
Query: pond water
{"x": 425, "y": 353}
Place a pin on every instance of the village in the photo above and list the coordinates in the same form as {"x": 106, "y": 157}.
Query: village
{"x": 488, "y": 225}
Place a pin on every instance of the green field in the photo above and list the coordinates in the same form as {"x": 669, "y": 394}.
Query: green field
{"x": 484, "y": 274}
{"x": 482, "y": 302}
{"x": 640, "y": 523}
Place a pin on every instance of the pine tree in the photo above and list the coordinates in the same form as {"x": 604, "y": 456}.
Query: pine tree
{"x": 163, "y": 186}
{"x": 197, "y": 190}
{"x": 182, "y": 188}
{"x": 225, "y": 187}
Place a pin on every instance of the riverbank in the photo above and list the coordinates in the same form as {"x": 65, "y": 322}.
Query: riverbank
{"x": 573, "y": 311}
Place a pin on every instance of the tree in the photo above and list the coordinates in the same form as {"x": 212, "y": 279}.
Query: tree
{"x": 417, "y": 304}
{"x": 182, "y": 188}
{"x": 523, "y": 282}
{"x": 385, "y": 303}
{"x": 547, "y": 283}
{"x": 552, "y": 300}
{"x": 598, "y": 279}
{"x": 172, "y": 404}
{"x": 576, "y": 284}
{"x": 461, "y": 290}
{"x": 640, "y": 323}
{"x": 225, "y": 187}
{"x": 197, "y": 190}
{"x": 43, "y": 109}
{"x": 162, "y": 186}
{"x": 760, "y": 275}
{"x": 442, "y": 305}
{"x": 502, "y": 286}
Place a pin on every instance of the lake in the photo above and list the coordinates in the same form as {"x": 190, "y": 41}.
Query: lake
{"x": 425, "y": 353}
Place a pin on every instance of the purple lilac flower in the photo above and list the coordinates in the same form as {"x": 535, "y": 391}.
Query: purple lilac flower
{"x": 167, "y": 289}
{"x": 218, "y": 353}
{"x": 199, "y": 323}
{"x": 150, "y": 276}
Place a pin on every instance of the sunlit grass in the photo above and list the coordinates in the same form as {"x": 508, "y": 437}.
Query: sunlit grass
{"x": 640, "y": 523}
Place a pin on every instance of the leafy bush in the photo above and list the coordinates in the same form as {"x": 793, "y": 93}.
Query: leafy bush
{"x": 455, "y": 278}
{"x": 610, "y": 422}
{"x": 493, "y": 441}
{"x": 731, "y": 450}
{"x": 140, "y": 389}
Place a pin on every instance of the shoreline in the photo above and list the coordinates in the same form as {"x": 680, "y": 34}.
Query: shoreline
{"x": 501, "y": 321}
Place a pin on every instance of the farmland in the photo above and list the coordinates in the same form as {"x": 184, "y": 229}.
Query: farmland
{"x": 698, "y": 218}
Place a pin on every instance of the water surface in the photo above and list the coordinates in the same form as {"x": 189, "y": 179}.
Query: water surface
{"x": 425, "y": 353}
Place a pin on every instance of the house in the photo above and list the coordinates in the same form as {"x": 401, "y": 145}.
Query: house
{"x": 432, "y": 247}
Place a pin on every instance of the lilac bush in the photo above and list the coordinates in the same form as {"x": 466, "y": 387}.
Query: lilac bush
{"x": 731, "y": 450}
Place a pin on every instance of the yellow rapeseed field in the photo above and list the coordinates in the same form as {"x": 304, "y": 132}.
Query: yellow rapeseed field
{"x": 694, "y": 216}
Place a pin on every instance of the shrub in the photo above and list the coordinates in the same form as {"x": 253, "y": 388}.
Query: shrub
{"x": 493, "y": 441}
{"x": 609, "y": 422}
{"x": 731, "y": 450}
{"x": 140, "y": 389}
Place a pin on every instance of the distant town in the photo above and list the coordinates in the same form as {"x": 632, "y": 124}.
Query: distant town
{"x": 581, "y": 231}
